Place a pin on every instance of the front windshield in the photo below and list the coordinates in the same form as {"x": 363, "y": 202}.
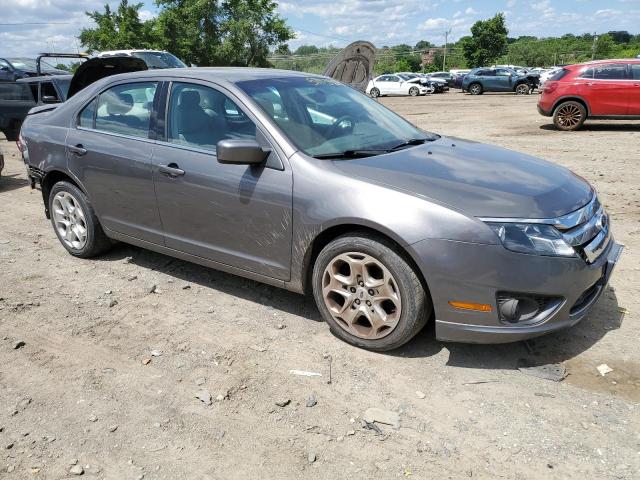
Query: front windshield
{"x": 29, "y": 64}
{"x": 324, "y": 117}
{"x": 159, "y": 59}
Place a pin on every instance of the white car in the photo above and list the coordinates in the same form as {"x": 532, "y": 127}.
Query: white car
{"x": 391, "y": 84}
{"x": 544, "y": 76}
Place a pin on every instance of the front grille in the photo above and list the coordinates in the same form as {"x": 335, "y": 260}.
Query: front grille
{"x": 586, "y": 230}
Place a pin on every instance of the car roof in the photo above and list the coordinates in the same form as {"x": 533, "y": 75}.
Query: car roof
{"x": 226, "y": 74}
{"x": 604, "y": 62}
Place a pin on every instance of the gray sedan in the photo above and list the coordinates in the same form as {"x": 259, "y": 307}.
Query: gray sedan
{"x": 298, "y": 181}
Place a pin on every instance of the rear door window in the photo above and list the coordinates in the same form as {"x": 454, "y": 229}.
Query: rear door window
{"x": 615, "y": 71}
{"x": 126, "y": 109}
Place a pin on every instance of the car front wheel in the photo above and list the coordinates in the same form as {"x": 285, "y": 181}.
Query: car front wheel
{"x": 522, "y": 89}
{"x": 368, "y": 294}
{"x": 75, "y": 221}
{"x": 414, "y": 92}
{"x": 475, "y": 89}
{"x": 569, "y": 115}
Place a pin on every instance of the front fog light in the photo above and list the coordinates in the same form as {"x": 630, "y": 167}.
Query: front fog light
{"x": 532, "y": 239}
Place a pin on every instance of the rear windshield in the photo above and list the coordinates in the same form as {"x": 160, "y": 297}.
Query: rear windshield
{"x": 159, "y": 60}
{"x": 17, "y": 92}
{"x": 559, "y": 74}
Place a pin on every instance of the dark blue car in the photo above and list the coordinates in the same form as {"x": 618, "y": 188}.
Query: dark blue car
{"x": 481, "y": 80}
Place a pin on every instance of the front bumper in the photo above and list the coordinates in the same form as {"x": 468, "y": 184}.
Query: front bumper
{"x": 474, "y": 273}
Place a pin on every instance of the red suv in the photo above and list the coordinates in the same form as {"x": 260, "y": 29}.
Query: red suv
{"x": 599, "y": 89}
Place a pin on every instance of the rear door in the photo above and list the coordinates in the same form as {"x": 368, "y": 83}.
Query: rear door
{"x": 607, "y": 89}
{"x": 634, "y": 89}
{"x": 394, "y": 85}
{"x": 237, "y": 215}
{"x": 110, "y": 152}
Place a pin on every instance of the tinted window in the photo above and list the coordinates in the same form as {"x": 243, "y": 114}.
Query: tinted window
{"x": 559, "y": 74}
{"x": 126, "y": 109}
{"x": 605, "y": 72}
{"x": 201, "y": 116}
{"x": 19, "y": 92}
{"x": 635, "y": 71}
{"x": 393, "y": 78}
{"x": 85, "y": 119}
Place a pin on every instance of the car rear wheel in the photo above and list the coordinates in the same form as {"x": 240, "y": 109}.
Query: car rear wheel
{"x": 375, "y": 93}
{"x": 522, "y": 89}
{"x": 475, "y": 89}
{"x": 75, "y": 221}
{"x": 368, "y": 294}
{"x": 414, "y": 92}
{"x": 569, "y": 115}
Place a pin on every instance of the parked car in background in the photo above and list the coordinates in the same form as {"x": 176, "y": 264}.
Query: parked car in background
{"x": 440, "y": 84}
{"x": 600, "y": 89}
{"x": 547, "y": 74}
{"x": 16, "y": 100}
{"x": 392, "y": 84}
{"x": 153, "y": 58}
{"x": 301, "y": 182}
{"x": 447, "y": 76}
{"x": 51, "y": 89}
{"x": 420, "y": 78}
{"x": 11, "y": 69}
{"x": 483, "y": 79}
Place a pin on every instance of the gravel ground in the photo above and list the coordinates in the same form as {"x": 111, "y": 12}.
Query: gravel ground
{"x": 117, "y": 349}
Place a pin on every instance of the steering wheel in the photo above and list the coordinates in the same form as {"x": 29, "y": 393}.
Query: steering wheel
{"x": 339, "y": 125}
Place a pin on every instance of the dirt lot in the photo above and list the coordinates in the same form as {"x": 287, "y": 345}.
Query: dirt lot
{"x": 109, "y": 372}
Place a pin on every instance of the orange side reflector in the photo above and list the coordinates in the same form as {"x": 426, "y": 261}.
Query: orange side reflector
{"x": 478, "y": 307}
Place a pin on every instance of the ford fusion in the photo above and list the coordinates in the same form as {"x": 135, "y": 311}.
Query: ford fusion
{"x": 301, "y": 182}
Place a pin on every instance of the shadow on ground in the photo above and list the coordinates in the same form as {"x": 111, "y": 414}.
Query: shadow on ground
{"x": 553, "y": 348}
{"x": 610, "y": 126}
{"x": 11, "y": 182}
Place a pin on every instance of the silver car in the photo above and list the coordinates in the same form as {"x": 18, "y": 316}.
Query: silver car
{"x": 299, "y": 181}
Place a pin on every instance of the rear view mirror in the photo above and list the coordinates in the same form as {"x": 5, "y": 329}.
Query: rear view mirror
{"x": 49, "y": 99}
{"x": 241, "y": 152}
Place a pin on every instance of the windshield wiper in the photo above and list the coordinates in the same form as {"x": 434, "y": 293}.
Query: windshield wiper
{"x": 410, "y": 142}
{"x": 351, "y": 154}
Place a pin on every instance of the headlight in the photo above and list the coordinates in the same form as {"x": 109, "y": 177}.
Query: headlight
{"x": 532, "y": 239}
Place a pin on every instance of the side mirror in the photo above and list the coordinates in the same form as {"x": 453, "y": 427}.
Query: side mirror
{"x": 241, "y": 152}
{"x": 50, "y": 99}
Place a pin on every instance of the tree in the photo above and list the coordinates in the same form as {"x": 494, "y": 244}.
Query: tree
{"x": 488, "y": 41}
{"x": 423, "y": 45}
{"x": 118, "y": 30}
{"x": 306, "y": 50}
{"x": 283, "y": 49}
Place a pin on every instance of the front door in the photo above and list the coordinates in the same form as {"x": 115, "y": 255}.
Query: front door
{"x": 606, "y": 88}
{"x": 237, "y": 215}
{"x": 634, "y": 89}
{"x": 110, "y": 152}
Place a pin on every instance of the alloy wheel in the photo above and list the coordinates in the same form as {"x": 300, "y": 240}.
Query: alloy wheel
{"x": 522, "y": 89}
{"x": 69, "y": 220}
{"x": 569, "y": 116}
{"x": 475, "y": 89}
{"x": 362, "y": 295}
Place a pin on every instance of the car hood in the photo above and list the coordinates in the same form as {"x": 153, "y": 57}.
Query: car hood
{"x": 477, "y": 179}
{"x": 97, "y": 68}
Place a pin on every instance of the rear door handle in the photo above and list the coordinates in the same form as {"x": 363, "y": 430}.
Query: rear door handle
{"x": 171, "y": 170}
{"x": 78, "y": 150}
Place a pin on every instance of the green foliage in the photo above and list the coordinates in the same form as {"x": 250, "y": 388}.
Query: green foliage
{"x": 306, "y": 50}
{"x": 118, "y": 30}
{"x": 488, "y": 41}
{"x": 204, "y": 32}
{"x": 423, "y": 45}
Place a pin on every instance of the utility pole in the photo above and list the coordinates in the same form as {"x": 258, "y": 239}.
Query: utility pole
{"x": 444, "y": 57}
{"x": 593, "y": 48}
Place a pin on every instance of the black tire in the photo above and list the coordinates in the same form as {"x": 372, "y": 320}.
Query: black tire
{"x": 569, "y": 116}
{"x": 97, "y": 242}
{"x": 416, "y": 304}
{"x": 522, "y": 89}
{"x": 475, "y": 89}
{"x": 374, "y": 93}
{"x": 414, "y": 91}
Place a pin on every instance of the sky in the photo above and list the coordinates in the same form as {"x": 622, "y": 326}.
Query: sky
{"x": 56, "y": 23}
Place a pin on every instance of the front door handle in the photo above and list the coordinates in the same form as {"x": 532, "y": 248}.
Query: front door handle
{"x": 78, "y": 150}
{"x": 171, "y": 170}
